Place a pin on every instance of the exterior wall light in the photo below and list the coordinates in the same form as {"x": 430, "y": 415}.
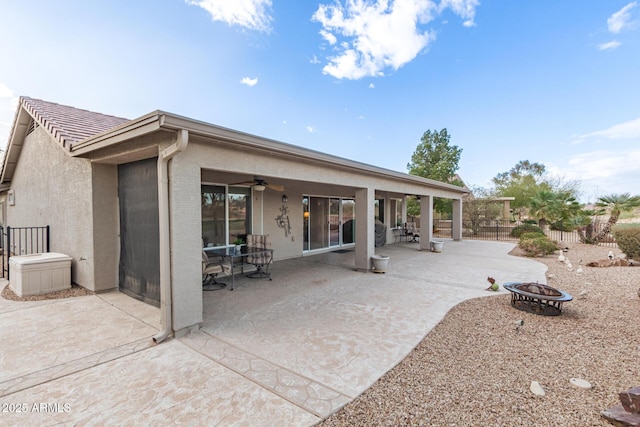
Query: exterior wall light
{"x": 285, "y": 199}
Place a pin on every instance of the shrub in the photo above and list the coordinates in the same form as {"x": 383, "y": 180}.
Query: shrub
{"x": 535, "y": 244}
{"x": 531, "y": 235}
{"x": 526, "y": 228}
{"x": 628, "y": 238}
{"x": 562, "y": 226}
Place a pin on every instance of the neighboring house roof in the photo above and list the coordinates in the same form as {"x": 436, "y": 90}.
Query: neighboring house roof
{"x": 82, "y": 132}
{"x": 65, "y": 124}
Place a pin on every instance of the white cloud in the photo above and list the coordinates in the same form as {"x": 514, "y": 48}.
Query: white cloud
{"x": 626, "y": 130}
{"x": 621, "y": 19}
{"x": 314, "y": 60}
{"x": 329, "y": 37}
{"x": 252, "y": 14}
{"x": 310, "y": 129}
{"x": 609, "y": 45}
{"x": 249, "y": 81}
{"x": 466, "y": 9}
{"x": 380, "y": 34}
{"x": 603, "y": 172}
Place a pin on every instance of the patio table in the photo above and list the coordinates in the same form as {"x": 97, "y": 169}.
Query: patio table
{"x": 238, "y": 258}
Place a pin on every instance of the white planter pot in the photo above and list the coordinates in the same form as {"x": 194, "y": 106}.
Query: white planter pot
{"x": 238, "y": 249}
{"x": 436, "y": 246}
{"x": 380, "y": 263}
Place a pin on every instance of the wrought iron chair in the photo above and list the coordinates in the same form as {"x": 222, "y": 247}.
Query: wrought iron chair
{"x": 412, "y": 232}
{"x": 257, "y": 242}
{"x": 210, "y": 270}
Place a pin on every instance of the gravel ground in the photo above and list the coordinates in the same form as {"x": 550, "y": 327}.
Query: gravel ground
{"x": 475, "y": 367}
{"x": 74, "y": 291}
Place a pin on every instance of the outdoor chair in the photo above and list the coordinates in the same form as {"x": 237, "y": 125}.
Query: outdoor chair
{"x": 255, "y": 243}
{"x": 412, "y": 232}
{"x": 399, "y": 234}
{"x": 210, "y": 270}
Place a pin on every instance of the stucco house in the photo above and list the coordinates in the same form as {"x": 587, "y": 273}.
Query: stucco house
{"x": 133, "y": 202}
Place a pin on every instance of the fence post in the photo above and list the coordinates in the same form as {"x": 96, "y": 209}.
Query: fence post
{"x": 8, "y": 251}
{"x": 497, "y": 230}
{"x": 2, "y": 247}
{"x": 48, "y": 250}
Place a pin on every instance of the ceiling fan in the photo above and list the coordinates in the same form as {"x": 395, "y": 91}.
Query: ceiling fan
{"x": 259, "y": 184}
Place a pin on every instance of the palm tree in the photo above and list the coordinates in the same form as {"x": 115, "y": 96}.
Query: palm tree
{"x": 554, "y": 206}
{"x": 541, "y": 206}
{"x": 615, "y": 204}
{"x": 583, "y": 223}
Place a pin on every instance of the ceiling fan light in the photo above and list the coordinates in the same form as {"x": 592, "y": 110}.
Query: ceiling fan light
{"x": 259, "y": 187}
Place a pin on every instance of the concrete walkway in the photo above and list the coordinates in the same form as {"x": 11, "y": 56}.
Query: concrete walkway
{"x": 287, "y": 352}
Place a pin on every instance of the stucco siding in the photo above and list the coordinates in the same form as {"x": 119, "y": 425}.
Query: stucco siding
{"x": 186, "y": 238}
{"x": 212, "y": 155}
{"x": 53, "y": 189}
{"x": 105, "y": 226}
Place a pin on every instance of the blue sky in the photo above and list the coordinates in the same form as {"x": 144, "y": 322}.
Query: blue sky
{"x": 550, "y": 81}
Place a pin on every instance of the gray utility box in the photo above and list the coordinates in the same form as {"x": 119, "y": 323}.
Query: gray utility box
{"x": 39, "y": 273}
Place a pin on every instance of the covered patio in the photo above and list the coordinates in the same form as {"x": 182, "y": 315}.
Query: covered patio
{"x": 291, "y": 350}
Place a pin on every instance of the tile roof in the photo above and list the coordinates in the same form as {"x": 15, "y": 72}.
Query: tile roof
{"x": 69, "y": 125}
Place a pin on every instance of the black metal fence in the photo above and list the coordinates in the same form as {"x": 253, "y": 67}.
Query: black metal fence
{"x": 501, "y": 231}
{"x": 22, "y": 241}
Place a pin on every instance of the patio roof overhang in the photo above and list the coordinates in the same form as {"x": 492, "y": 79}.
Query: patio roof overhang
{"x": 160, "y": 121}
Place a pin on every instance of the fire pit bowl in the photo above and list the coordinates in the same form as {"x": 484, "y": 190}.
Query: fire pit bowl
{"x": 537, "y": 298}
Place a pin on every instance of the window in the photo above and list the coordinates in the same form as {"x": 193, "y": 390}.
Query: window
{"x": 239, "y": 213}
{"x": 379, "y": 210}
{"x": 226, "y": 214}
{"x": 395, "y": 212}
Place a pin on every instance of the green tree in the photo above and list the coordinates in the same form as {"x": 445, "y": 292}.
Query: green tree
{"x": 583, "y": 223}
{"x": 615, "y": 204}
{"x": 435, "y": 158}
{"x": 541, "y": 206}
{"x": 522, "y": 182}
{"x": 557, "y": 207}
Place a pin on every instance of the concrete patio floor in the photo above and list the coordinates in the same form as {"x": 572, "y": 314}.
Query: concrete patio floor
{"x": 286, "y": 352}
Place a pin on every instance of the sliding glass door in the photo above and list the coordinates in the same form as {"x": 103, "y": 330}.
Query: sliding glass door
{"x": 328, "y": 222}
{"x": 334, "y": 222}
{"x": 318, "y": 223}
{"x": 348, "y": 221}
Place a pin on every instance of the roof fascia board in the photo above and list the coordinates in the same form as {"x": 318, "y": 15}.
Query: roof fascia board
{"x": 14, "y": 146}
{"x": 175, "y": 122}
{"x": 135, "y": 128}
{"x": 162, "y": 120}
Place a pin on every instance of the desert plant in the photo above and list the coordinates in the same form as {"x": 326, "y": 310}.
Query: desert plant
{"x": 536, "y": 244}
{"x": 628, "y": 239}
{"x": 615, "y": 204}
{"x": 583, "y": 224}
{"x": 526, "y": 228}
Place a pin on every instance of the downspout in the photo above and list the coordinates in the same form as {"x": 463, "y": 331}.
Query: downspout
{"x": 165, "y": 244}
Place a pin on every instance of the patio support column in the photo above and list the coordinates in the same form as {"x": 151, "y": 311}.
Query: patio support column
{"x": 404, "y": 209}
{"x": 456, "y": 220}
{"x": 365, "y": 232}
{"x": 426, "y": 222}
{"x": 186, "y": 242}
